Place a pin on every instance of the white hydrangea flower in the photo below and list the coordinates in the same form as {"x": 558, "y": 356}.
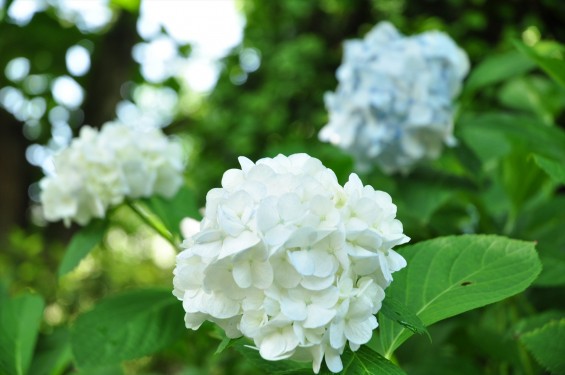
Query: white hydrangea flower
{"x": 291, "y": 259}
{"x": 101, "y": 168}
{"x": 393, "y": 105}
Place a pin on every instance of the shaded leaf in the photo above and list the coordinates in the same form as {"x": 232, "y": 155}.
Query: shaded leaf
{"x": 554, "y": 67}
{"x": 555, "y": 169}
{"x": 395, "y": 310}
{"x": 269, "y": 367}
{"x": 497, "y": 68}
{"x": 547, "y": 344}
{"x": 447, "y": 276}
{"x": 52, "y": 354}
{"x": 81, "y": 244}
{"x": 365, "y": 361}
{"x": 127, "y": 326}
{"x": 20, "y": 318}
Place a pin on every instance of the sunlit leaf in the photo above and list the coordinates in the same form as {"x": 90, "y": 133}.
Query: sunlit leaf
{"x": 447, "y": 276}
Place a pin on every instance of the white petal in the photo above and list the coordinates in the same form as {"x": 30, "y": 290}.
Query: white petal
{"x": 318, "y": 317}
{"x": 278, "y": 345}
{"x": 294, "y": 309}
{"x": 333, "y": 360}
{"x": 242, "y": 274}
{"x": 317, "y": 283}
{"x": 359, "y": 332}
{"x": 337, "y": 334}
{"x": 262, "y": 274}
{"x": 234, "y": 245}
{"x": 245, "y": 163}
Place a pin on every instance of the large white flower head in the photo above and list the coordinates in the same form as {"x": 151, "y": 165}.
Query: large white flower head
{"x": 288, "y": 257}
{"x": 393, "y": 104}
{"x": 100, "y": 169}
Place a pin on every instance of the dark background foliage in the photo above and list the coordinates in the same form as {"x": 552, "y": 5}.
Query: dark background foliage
{"x": 276, "y": 109}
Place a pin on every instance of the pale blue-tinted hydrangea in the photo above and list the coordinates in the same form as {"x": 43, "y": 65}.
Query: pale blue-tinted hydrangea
{"x": 393, "y": 105}
{"x": 288, "y": 257}
{"x": 101, "y": 168}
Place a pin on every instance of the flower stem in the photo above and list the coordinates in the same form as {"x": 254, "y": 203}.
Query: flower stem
{"x": 157, "y": 227}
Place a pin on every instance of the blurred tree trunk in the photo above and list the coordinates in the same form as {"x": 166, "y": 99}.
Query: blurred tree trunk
{"x": 15, "y": 174}
{"x": 112, "y": 66}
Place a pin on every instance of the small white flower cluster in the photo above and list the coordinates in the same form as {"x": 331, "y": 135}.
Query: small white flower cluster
{"x": 393, "y": 105}
{"x": 100, "y": 169}
{"x": 291, "y": 259}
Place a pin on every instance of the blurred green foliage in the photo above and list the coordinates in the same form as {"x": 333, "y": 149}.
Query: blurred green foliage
{"x": 504, "y": 177}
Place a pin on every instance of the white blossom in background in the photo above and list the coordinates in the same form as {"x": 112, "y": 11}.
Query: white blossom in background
{"x": 100, "y": 169}
{"x": 393, "y": 104}
{"x": 291, "y": 259}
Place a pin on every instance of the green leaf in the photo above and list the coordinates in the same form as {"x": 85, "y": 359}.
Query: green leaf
{"x": 269, "y": 367}
{"x": 547, "y": 344}
{"x": 81, "y": 244}
{"x": 488, "y": 143}
{"x": 521, "y": 178}
{"x": 497, "y": 68}
{"x": 524, "y": 131}
{"x": 20, "y": 318}
{"x": 535, "y": 94}
{"x": 127, "y": 326}
{"x": 172, "y": 211}
{"x": 223, "y": 345}
{"x": 52, "y": 354}
{"x": 447, "y": 276}
{"x": 365, "y": 361}
{"x": 555, "y": 169}
{"x": 553, "y": 274}
{"x": 537, "y": 321}
{"x": 129, "y": 5}
{"x": 554, "y": 67}
{"x": 396, "y": 311}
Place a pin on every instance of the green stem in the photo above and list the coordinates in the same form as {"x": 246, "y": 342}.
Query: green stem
{"x": 139, "y": 211}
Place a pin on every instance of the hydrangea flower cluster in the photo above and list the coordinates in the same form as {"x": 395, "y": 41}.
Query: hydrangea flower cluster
{"x": 393, "y": 105}
{"x": 100, "y": 169}
{"x": 288, "y": 257}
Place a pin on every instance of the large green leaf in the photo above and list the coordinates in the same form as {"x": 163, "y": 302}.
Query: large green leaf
{"x": 547, "y": 344}
{"x": 127, "y": 326}
{"x": 81, "y": 244}
{"x": 19, "y": 324}
{"x": 447, "y": 276}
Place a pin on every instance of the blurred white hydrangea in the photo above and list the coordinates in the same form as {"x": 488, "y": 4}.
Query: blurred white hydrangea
{"x": 393, "y": 105}
{"x": 291, "y": 259}
{"x": 101, "y": 168}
